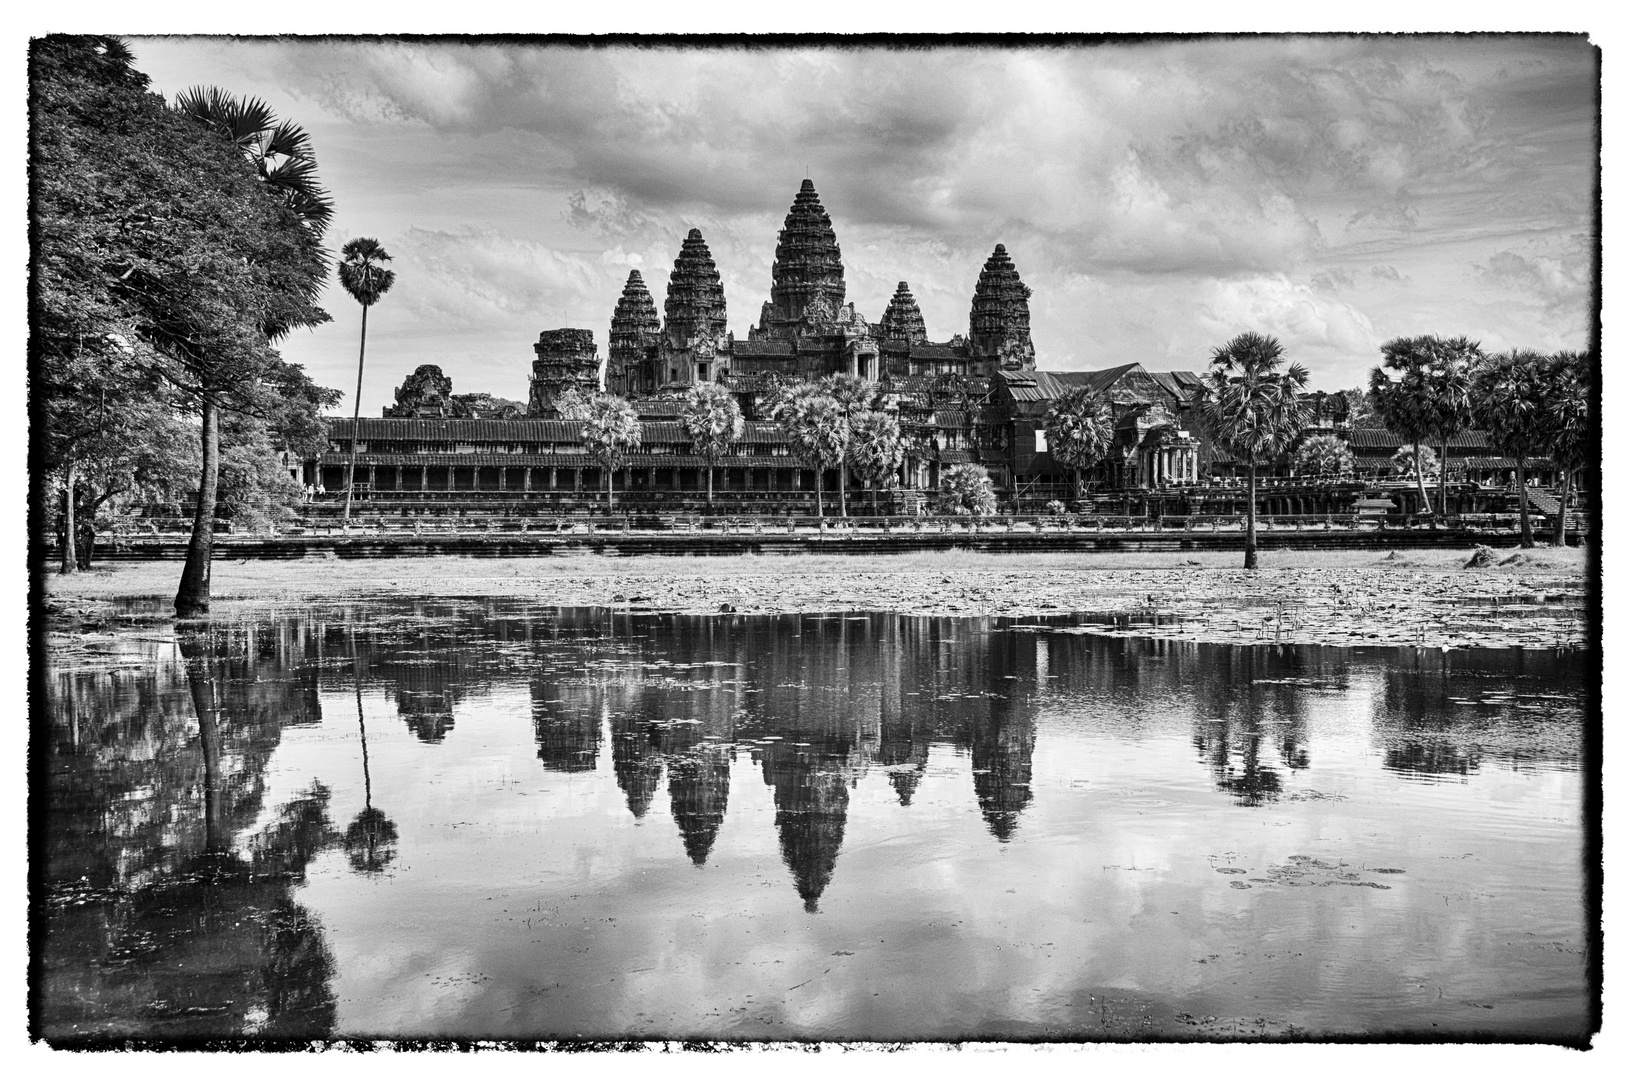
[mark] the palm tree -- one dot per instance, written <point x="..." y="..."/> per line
<point x="1251" y="410"/>
<point x="1080" y="428"/>
<point x="816" y="430"/>
<point x="1572" y="426"/>
<point x="1510" y="403"/>
<point x="966" y="489"/>
<point x="611" y="433"/>
<point x="854" y="396"/>
<point x="1408" y="405"/>
<point x="1449" y="386"/>
<point x="714" y="421"/>
<point x="1324" y="457"/>
<point x="876" y="447"/>
<point x="281" y="151"/>
<point x="366" y="278"/>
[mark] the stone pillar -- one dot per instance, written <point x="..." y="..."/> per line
<point x="526" y="478"/>
<point x="577" y="479"/>
<point x="554" y="484"/>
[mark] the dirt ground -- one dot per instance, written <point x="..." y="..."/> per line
<point x="1412" y="597"/>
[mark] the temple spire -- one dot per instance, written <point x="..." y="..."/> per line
<point x="809" y="269"/>
<point x="694" y="309"/>
<point x="999" y="322"/>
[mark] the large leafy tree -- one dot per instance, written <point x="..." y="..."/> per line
<point x="876" y="447"/>
<point x="1402" y="393"/>
<point x="1572" y="425"/>
<point x="1449" y="391"/>
<point x="855" y="398"/>
<point x="152" y="227"/>
<point x="1080" y="428"/>
<point x="1510" y="396"/>
<point x="611" y="432"/>
<point x="816" y="427"/>
<point x="1252" y="411"/>
<point x="280" y="150"/>
<point x="713" y="420"/>
<point x="364" y="275"/>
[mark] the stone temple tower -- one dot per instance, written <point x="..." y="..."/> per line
<point x="902" y="320"/>
<point x="565" y="359"/>
<point x="999" y="323"/>
<point x="808" y="274"/>
<point x="693" y="316"/>
<point x="632" y="353"/>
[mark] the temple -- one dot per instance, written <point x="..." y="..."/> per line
<point x="974" y="397"/>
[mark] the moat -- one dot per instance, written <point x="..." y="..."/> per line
<point x="495" y="818"/>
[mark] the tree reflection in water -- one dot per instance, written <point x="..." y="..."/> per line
<point x="370" y="839"/>
<point x="180" y="932"/>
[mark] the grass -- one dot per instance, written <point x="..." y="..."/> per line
<point x="316" y="577"/>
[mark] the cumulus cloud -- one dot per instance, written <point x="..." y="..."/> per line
<point x="1152" y="194"/>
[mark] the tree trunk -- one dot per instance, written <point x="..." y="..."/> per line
<point x="1526" y="535"/>
<point x="193" y="598"/>
<point x="1251" y="517"/>
<point x="356" y="412"/>
<point x="609" y="471"/>
<point x="819" y="512"/>
<point x="1076" y="481"/>
<point x="710" y="485"/>
<point x="1443" y="476"/>
<point x="843" y="507"/>
<point x="1560" y="531"/>
<point x="1421" y="484"/>
<point x="70" y="557"/>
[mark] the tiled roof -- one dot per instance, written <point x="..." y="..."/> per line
<point x="932" y="351"/>
<point x="1382" y="438"/>
<point x="476" y="432"/>
<point x="761" y="347"/>
<point x="1048" y="386"/>
<point x="639" y="460"/>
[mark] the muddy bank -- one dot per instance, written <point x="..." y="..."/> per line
<point x="1531" y="599"/>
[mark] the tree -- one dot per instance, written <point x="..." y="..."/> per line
<point x="1080" y="428"/>
<point x="1251" y="410"/>
<point x="611" y="432"/>
<point x="364" y="275"/>
<point x="1509" y="403"/>
<point x="714" y="421"/>
<point x="1325" y="458"/>
<point x="151" y="226"/>
<point x="816" y="430"/>
<point x="1415" y="462"/>
<point x="281" y="151"/>
<point x="1449" y="390"/>
<point x="966" y="489"/>
<point x="854" y="396"/>
<point x="1407" y="404"/>
<point x="1572" y="426"/>
<point x="876" y="447"/>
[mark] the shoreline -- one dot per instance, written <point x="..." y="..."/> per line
<point x="1427" y="597"/>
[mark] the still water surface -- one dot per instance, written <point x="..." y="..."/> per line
<point x="491" y="818"/>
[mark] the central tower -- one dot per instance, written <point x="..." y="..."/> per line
<point x="808" y="274"/>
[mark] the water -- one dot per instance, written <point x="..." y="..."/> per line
<point x="494" y="819"/>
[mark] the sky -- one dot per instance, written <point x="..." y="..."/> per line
<point x="1158" y="197"/>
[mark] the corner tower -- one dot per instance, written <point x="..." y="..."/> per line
<point x="902" y="320"/>
<point x="630" y="356"/>
<point x="999" y="323"/>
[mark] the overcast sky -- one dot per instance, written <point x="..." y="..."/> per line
<point x="1157" y="197"/>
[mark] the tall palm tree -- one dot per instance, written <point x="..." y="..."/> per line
<point x="1080" y="428"/>
<point x="365" y="276"/>
<point x="1510" y="404"/>
<point x="611" y="433"/>
<point x="876" y="447"/>
<point x="816" y="428"/>
<point x="281" y="150"/>
<point x="1407" y="404"/>
<point x="854" y="396"/>
<point x="1449" y="386"/>
<point x="1573" y="428"/>
<point x="1252" y="411"/>
<point x="713" y="419"/>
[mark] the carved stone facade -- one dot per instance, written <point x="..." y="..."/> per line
<point x="633" y="351"/>
<point x="902" y="321"/>
<point x="999" y="323"/>
<point x="425" y="393"/>
<point x="565" y="359"/>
